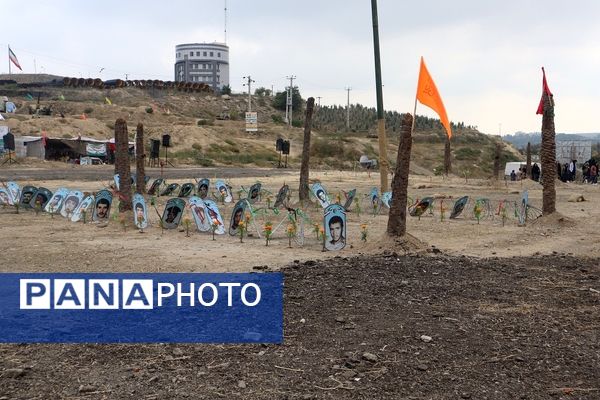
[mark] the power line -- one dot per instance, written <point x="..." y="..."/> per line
<point x="289" y="101"/>
<point x="249" y="84"/>
<point x="348" y="89"/>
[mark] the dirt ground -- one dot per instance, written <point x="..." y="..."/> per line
<point x="487" y="312"/>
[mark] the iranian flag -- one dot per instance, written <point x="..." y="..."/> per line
<point x="13" y="58"/>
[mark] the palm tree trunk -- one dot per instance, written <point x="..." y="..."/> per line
<point x="140" y="156"/>
<point x="529" y="160"/>
<point x="122" y="166"/>
<point x="447" y="157"/>
<point x="397" y="217"/>
<point x="304" y="168"/>
<point x="548" y="157"/>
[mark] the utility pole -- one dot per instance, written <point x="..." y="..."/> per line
<point x="249" y="84"/>
<point x="383" y="160"/>
<point x="348" y="89"/>
<point x="289" y="101"/>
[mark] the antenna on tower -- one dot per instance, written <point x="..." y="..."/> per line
<point x="225" y="22"/>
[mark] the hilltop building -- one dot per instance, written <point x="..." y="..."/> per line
<point x="202" y="62"/>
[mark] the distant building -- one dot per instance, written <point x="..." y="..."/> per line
<point x="202" y="62"/>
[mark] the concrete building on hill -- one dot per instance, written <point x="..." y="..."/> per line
<point x="202" y="62"/>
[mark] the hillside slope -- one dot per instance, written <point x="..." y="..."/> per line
<point x="198" y="137"/>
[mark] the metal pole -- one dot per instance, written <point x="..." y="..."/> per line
<point x="348" y="89"/>
<point x="383" y="161"/>
<point x="9" y="70"/>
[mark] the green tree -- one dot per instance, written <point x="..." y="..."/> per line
<point x="226" y="89"/>
<point x="280" y="100"/>
<point x="263" y="92"/>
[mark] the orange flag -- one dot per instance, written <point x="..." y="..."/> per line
<point x="428" y="95"/>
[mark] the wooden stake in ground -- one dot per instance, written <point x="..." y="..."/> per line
<point x="122" y="166"/>
<point x="140" y="156"/>
<point x="304" y="168"/>
<point x="447" y="157"/>
<point x="397" y="216"/>
<point x="529" y="160"/>
<point x="548" y="156"/>
<point x="497" y="153"/>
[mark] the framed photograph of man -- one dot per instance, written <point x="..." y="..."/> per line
<point x="186" y="190"/>
<point x="84" y="206"/>
<point x="6" y="197"/>
<point x="15" y="191"/>
<point x="421" y="207"/>
<point x="155" y="187"/>
<point x="321" y="194"/>
<point x="41" y="197"/>
<point x="198" y="210"/>
<point x="254" y="193"/>
<point x="386" y="199"/>
<point x="281" y="196"/>
<point x="53" y="206"/>
<point x="203" y="186"/>
<point x="237" y="215"/>
<point x="170" y="189"/>
<point x="213" y="215"/>
<point x="224" y="191"/>
<point x="459" y="206"/>
<point x="102" y="205"/>
<point x="140" y="212"/>
<point x="71" y="202"/>
<point x="335" y="227"/>
<point x="26" y="196"/>
<point x="173" y="213"/>
<point x="349" y="199"/>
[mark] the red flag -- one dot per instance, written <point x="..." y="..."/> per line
<point x="545" y="90"/>
<point x="428" y="95"/>
<point x="13" y="58"/>
<point x="44" y="138"/>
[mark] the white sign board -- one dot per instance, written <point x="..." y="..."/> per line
<point x="252" y="121"/>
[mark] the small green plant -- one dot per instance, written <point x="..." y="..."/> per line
<point x="357" y="206"/>
<point x="83" y="215"/>
<point x="213" y="226"/>
<point x="38" y="207"/>
<point x="477" y="210"/>
<point x="443" y="210"/>
<point x="268" y="231"/>
<point x="242" y="229"/>
<point x="291" y="232"/>
<point x="187" y="222"/>
<point x="88" y="110"/>
<point x="364" y="232"/>
<point x="149" y="110"/>
<point x="278" y="119"/>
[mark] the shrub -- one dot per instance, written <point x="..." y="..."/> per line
<point x="297" y="123"/>
<point x="467" y="153"/>
<point x="202" y="122"/>
<point x="278" y="119"/>
<point x="88" y="110"/>
<point x="149" y="110"/>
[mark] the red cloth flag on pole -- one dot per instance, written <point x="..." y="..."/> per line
<point x="13" y="58"/>
<point x="427" y="94"/>
<point x="545" y="90"/>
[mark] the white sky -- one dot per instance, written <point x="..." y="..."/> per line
<point x="485" y="56"/>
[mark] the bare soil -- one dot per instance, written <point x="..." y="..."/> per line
<point x="481" y="311"/>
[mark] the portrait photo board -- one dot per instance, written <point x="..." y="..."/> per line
<point x="334" y="220"/>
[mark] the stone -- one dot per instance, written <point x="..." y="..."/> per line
<point x="13" y="373"/>
<point x="241" y="384"/>
<point x="426" y="338"/>
<point x="370" y="357"/>
<point x="422" y="367"/>
<point x="87" y="389"/>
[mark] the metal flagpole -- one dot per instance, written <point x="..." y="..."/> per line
<point x="9" y="71"/>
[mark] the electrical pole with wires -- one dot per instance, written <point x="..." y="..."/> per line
<point x="249" y="84"/>
<point x="348" y="89"/>
<point x="289" y="101"/>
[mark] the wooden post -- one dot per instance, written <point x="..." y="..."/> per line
<point x="304" y="168"/>
<point x="140" y="155"/>
<point x="529" y="160"/>
<point x="122" y="166"/>
<point x="447" y="157"/>
<point x="548" y="157"/>
<point x="397" y="216"/>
